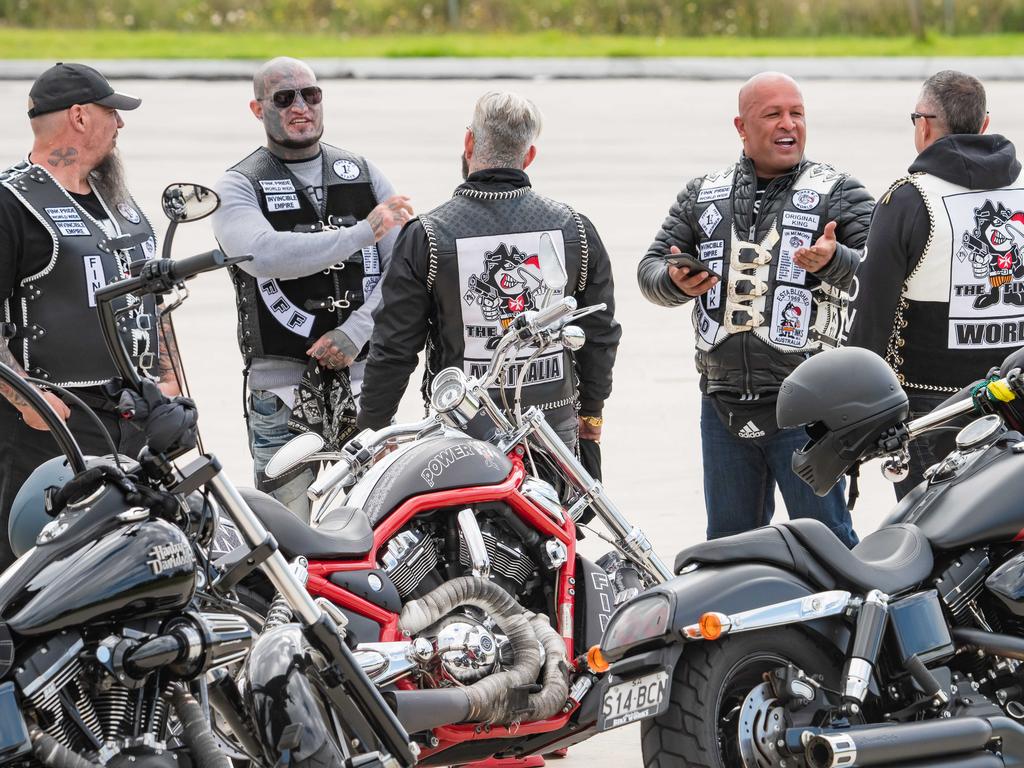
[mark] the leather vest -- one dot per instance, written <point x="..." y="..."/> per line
<point x="962" y="309"/>
<point x="763" y="291"/>
<point x="282" y="318"/>
<point x="58" y="336"/>
<point x="483" y="271"/>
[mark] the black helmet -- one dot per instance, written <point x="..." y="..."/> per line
<point x="28" y="511"/>
<point x="846" y="398"/>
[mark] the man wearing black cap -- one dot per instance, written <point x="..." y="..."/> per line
<point x="61" y="210"/>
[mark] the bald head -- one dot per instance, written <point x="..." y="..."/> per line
<point x="273" y="72"/>
<point x="50" y="125"/>
<point x="771" y="123"/>
<point x="756" y="86"/>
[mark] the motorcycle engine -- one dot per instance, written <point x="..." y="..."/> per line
<point x="467" y="649"/>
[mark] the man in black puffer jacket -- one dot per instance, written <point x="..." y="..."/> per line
<point x="941" y="290"/>
<point x="784" y="233"/>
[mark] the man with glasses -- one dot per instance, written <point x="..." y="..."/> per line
<point x="68" y="225"/>
<point x="940" y="293"/>
<point x="320" y="223"/>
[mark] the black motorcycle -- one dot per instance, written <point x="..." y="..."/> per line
<point x="780" y="647"/>
<point x="118" y="625"/>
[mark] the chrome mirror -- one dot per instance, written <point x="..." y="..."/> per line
<point x="189" y="202"/>
<point x="552" y="270"/>
<point x="293" y="453"/>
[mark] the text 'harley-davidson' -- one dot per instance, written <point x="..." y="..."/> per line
<point x="454" y="561"/>
<point x="786" y="649"/>
<point x="121" y="633"/>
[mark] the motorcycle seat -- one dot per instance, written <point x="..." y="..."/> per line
<point x="344" y="534"/>
<point x="891" y="559"/>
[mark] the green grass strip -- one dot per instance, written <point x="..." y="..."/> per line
<point x="100" y="44"/>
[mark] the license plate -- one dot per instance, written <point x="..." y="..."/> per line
<point x="633" y="700"/>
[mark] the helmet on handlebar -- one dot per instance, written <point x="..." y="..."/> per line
<point x="28" y="512"/>
<point x="846" y="399"/>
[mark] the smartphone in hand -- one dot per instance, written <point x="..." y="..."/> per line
<point x="694" y="265"/>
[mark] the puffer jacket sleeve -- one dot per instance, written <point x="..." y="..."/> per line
<point x="850" y="206"/>
<point x="677" y="229"/>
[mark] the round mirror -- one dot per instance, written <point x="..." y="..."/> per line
<point x="551" y="267"/>
<point x="292" y="453"/>
<point x="189" y="202"/>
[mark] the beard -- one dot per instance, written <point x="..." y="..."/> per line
<point x="282" y="140"/>
<point x="108" y="179"/>
<point x="465" y="167"/>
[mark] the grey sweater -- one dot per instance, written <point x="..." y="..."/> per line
<point x="241" y="228"/>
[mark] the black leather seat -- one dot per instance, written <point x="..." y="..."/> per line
<point x="891" y="559"/>
<point x="344" y="534"/>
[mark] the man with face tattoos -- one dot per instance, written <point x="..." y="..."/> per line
<point x="784" y="233"/>
<point x="68" y="226"/>
<point x="320" y="223"/>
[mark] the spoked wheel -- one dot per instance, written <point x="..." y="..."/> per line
<point x="721" y="713"/>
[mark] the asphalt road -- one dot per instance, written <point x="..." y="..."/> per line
<point x="618" y="151"/>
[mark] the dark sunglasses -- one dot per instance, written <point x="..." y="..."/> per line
<point x="915" y="115"/>
<point x="311" y="94"/>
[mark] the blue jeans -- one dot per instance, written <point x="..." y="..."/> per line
<point x="268" y="431"/>
<point x="740" y="478"/>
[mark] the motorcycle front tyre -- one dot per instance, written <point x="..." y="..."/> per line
<point x="710" y="683"/>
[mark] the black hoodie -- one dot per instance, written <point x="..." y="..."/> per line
<point x="899" y="233"/>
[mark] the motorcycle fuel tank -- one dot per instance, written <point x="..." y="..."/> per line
<point x="977" y="503"/>
<point x="433" y="465"/>
<point x="138" y="569"/>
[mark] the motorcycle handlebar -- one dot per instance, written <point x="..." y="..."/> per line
<point x="552" y="314"/>
<point x="332" y="477"/>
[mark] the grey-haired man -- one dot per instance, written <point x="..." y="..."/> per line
<point x="462" y="272"/>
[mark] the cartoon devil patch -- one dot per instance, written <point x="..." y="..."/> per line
<point x="995" y="251"/>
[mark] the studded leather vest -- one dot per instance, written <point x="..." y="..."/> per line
<point x="281" y="318"/>
<point x="763" y="291"/>
<point x="58" y="336"/>
<point x="484" y="270"/>
<point x="962" y="308"/>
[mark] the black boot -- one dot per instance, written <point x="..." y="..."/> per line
<point x="1012" y="297"/>
<point x="988" y="300"/>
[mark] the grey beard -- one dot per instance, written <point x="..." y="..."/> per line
<point x="108" y="179"/>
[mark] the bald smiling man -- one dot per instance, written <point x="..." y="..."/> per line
<point x="780" y="237"/>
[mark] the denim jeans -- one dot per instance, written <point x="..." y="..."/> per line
<point x="740" y="478"/>
<point x="268" y="431"/>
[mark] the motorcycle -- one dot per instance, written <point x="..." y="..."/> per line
<point x="449" y="547"/>
<point x="779" y="647"/>
<point x="121" y="633"/>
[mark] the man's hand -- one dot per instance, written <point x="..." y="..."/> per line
<point x="34" y="420"/>
<point x="820" y="254"/>
<point x="589" y="431"/>
<point x="692" y="285"/>
<point x="327" y="349"/>
<point x="393" y="212"/>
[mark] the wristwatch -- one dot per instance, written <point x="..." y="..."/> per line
<point x="592" y="421"/>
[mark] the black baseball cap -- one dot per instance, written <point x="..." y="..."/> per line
<point x="64" y="85"/>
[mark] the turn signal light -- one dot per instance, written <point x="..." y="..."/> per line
<point x="711" y="626"/>
<point x="596" y="660"/>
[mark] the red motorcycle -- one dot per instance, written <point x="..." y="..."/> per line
<point x="453" y="566"/>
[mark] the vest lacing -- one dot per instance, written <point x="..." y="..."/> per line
<point x="481" y="195"/>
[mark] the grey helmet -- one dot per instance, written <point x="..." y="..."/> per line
<point x="28" y="512"/>
<point x="846" y="398"/>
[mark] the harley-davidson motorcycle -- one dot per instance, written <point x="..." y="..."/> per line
<point x="779" y="647"/>
<point x="120" y="632"/>
<point x="453" y="557"/>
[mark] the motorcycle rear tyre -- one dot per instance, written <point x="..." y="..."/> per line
<point x="707" y="678"/>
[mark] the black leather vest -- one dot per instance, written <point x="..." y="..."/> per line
<point x="281" y="318"/>
<point x="483" y="271"/>
<point x="58" y="336"/>
<point x="763" y="291"/>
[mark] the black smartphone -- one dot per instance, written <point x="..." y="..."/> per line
<point x="695" y="265"/>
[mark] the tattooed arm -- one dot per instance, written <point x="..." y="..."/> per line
<point x="28" y="413"/>
<point x="170" y="360"/>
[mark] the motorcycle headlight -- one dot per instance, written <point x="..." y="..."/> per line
<point x="645" y="618"/>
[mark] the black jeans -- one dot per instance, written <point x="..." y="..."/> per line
<point x="22" y="449"/>
<point x="928" y="449"/>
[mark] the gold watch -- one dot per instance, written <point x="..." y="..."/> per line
<point x="592" y="421"/>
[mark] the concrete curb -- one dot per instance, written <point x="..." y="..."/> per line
<point x="910" y="68"/>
